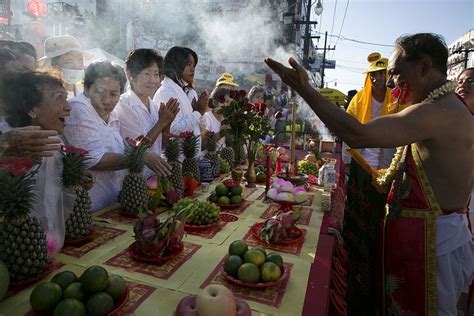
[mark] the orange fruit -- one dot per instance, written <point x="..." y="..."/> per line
<point x="249" y="273"/>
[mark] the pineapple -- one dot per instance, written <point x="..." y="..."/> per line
<point x="23" y="245"/>
<point x="227" y="153"/>
<point x="133" y="196"/>
<point x="172" y="155"/>
<point x="189" y="146"/>
<point x="79" y="222"/>
<point x="212" y="154"/>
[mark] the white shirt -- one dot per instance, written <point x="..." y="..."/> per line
<point x="373" y="155"/>
<point x="210" y="123"/>
<point x="187" y="120"/>
<point x="86" y="129"/>
<point x="136" y="120"/>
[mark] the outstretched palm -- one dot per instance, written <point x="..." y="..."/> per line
<point x="296" y="77"/>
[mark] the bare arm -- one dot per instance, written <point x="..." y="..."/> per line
<point x="411" y="125"/>
<point x="110" y="161"/>
<point x="167" y="114"/>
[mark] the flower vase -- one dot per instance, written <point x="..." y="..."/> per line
<point x="251" y="175"/>
<point x="205" y="168"/>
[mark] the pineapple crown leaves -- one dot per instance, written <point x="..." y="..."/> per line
<point x="135" y="152"/>
<point x="172" y="149"/>
<point x="16" y="187"/>
<point x="74" y="168"/>
<point x="211" y="141"/>
<point x="189" y="144"/>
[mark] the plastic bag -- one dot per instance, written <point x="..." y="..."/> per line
<point x="53" y="202"/>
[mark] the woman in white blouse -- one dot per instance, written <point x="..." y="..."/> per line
<point x="137" y="112"/>
<point x="95" y="127"/>
<point x="179" y="66"/>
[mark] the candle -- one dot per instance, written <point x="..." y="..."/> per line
<point x="293" y="137"/>
<point x="268" y="175"/>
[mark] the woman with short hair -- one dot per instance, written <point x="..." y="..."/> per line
<point x="94" y="126"/>
<point x="137" y="112"/>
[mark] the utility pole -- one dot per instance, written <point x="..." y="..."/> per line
<point x="324" y="57"/>
<point x="306" y="35"/>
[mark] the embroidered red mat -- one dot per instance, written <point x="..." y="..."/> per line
<point x="102" y="235"/>
<point x="270" y="296"/>
<point x="165" y="271"/>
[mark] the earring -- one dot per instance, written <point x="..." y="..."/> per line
<point x="34" y="116"/>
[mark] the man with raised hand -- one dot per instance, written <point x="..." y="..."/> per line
<point x="428" y="248"/>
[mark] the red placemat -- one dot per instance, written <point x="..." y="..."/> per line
<point x="270" y="296"/>
<point x="272" y="210"/>
<point x="248" y="192"/>
<point x="53" y="265"/>
<point x="211" y="232"/>
<point x="116" y="216"/>
<point x="102" y="235"/>
<point x="137" y="294"/>
<point x="294" y="249"/>
<point x="165" y="271"/>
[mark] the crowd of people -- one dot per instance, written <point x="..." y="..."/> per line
<point x="427" y="244"/>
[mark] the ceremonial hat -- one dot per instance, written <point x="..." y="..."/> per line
<point x="376" y="62"/>
<point x="226" y="78"/>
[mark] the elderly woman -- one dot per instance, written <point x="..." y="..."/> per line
<point x="137" y="112"/>
<point x="65" y="55"/>
<point x="37" y="99"/>
<point x="95" y="127"/>
<point x="179" y="66"/>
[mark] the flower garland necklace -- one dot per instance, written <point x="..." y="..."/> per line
<point x="385" y="177"/>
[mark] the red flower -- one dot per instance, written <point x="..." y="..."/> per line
<point x="16" y="166"/>
<point x="233" y="94"/>
<point x="210" y="134"/>
<point x="259" y="108"/>
<point x="249" y="107"/>
<point x="241" y="94"/>
<point x="186" y="134"/>
<point x="73" y="150"/>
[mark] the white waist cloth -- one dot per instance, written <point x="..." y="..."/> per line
<point x="454" y="260"/>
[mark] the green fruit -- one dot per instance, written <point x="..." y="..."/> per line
<point x="270" y="272"/>
<point x="70" y="307"/>
<point x="214" y="198"/>
<point x="261" y="250"/>
<point x="75" y="290"/>
<point x="236" y="199"/>
<point x="238" y="248"/>
<point x="261" y="176"/>
<point x="4" y="280"/>
<point x="94" y="279"/>
<point x="221" y="189"/>
<point x="259" y="168"/>
<point x="117" y="287"/>
<point x="232" y="265"/>
<point x="249" y="273"/>
<point x="254" y="256"/>
<point x="223" y="200"/>
<point x="237" y="190"/>
<point x="64" y="278"/>
<point x="99" y="304"/>
<point x="45" y="296"/>
<point x="275" y="258"/>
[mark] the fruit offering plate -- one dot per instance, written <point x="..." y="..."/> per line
<point x="80" y="241"/>
<point x="139" y="256"/>
<point x="286" y="206"/>
<point x="297" y="235"/>
<point x="117" y="306"/>
<point x="228" y="206"/>
<point x="260" y="285"/>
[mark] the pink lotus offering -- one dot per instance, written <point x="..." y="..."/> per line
<point x="284" y="191"/>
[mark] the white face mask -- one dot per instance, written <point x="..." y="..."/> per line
<point x="72" y="76"/>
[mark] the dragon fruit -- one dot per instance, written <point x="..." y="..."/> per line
<point x="272" y="193"/>
<point x="300" y="194"/>
<point x="154" y="237"/>
<point x="279" y="227"/>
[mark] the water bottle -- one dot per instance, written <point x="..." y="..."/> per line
<point x="321" y="174"/>
<point x="329" y="177"/>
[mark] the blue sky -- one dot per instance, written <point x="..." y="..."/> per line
<point x="381" y="22"/>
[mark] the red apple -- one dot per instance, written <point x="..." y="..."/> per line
<point x="215" y="299"/>
<point x="243" y="309"/>
<point x="187" y="306"/>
